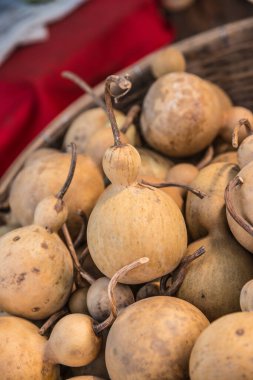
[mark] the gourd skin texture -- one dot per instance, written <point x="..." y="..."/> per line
<point x="116" y="235"/>
<point x="224" y="350"/>
<point x="36" y="272"/>
<point x="152" y="339"/>
<point x="46" y="177"/>
<point x="203" y="214"/>
<point x="213" y="282"/>
<point x="22" y="352"/>
<point x="181" y="115"/>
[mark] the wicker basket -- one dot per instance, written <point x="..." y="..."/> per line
<point x="223" y="55"/>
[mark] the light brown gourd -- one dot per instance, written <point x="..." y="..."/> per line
<point x="152" y="339"/>
<point x="224" y="349"/>
<point x="128" y="215"/>
<point x="22" y="352"/>
<point x="43" y="178"/>
<point x="36" y="272"/>
<point x="181" y="115"/>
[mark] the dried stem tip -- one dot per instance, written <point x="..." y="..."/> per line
<point x="248" y="127"/>
<point x="123" y="84"/>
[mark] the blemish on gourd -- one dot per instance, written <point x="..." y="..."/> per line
<point x="239" y="332"/>
<point x="21" y="277"/>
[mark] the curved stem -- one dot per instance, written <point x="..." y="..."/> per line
<point x="71" y="172"/>
<point x="112" y="284"/>
<point x="160" y="185"/>
<point x="52" y="320"/>
<point x="82" y="231"/>
<point x="85" y="87"/>
<point x="179" y="273"/>
<point x="230" y="207"/>
<point x="235" y="134"/>
<point x="207" y="158"/>
<point x="86" y="276"/>
<point x="131" y="115"/>
<point x="124" y="84"/>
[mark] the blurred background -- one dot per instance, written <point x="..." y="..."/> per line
<point x="93" y="38"/>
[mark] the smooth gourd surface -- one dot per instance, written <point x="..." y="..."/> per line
<point x="128" y="223"/>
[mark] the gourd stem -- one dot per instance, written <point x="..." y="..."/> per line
<point x="178" y="274"/>
<point x="235" y="133"/>
<point x="86" y="276"/>
<point x="131" y="115"/>
<point x="82" y="231"/>
<point x="230" y="207"/>
<point x="207" y="158"/>
<point x="112" y="284"/>
<point x="85" y="87"/>
<point x="71" y="172"/>
<point x="160" y="185"/>
<point x="54" y="317"/>
<point x="124" y="84"/>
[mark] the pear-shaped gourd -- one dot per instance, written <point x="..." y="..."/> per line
<point x="130" y="219"/>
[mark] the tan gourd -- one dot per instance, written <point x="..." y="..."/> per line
<point x="181" y="114"/>
<point x="22" y="352"/>
<point x="152" y="339"/>
<point x="224" y="349"/>
<point x="128" y="216"/>
<point x="36" y="272"/>
<point x="45" y="177"/>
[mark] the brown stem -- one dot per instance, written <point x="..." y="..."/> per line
<point x="75" y="259"/>
<point x="82" y="231"/>
<point x="124" y="84"/>
<point x="112" y="284"/>
<point x="179" y="273"/>
<point x="230" y="207"/>
<point x="131" y="115"/>
<point x="84" y="254"/>
<point x="85" y="87"/>
<point x="71" y="172"/>
<point x="235" y="134"/>
<point x="207" y="158"/>
<point x="160" y="185"/>
<point x="52" y="320"/>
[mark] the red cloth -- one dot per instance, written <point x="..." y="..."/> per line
<point x="100" y="38"/>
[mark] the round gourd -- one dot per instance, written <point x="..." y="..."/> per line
<point x="36" y="272"/>
<point x="181" y="115"/>
<point x="152" y="339"/>
<point x="124" y="224"/>
<point x="224" y="349"/>
<point x="73" y="341"/>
